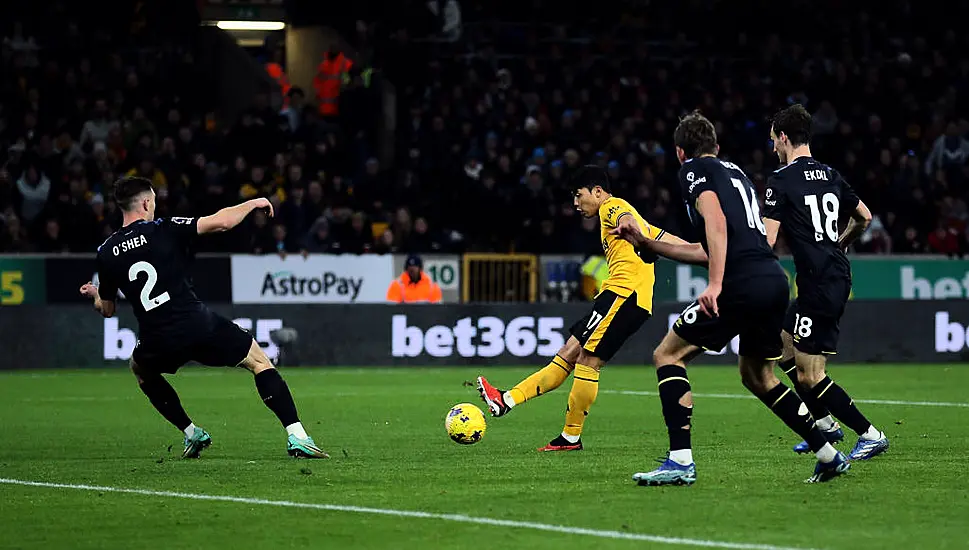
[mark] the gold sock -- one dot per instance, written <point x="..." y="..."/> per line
<point x="585" y="387"/>
<point x="542" y="381"/>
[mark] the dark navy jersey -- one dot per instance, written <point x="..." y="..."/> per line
<point x="747" y="250"/>
<point x="807" y="197"/>
<point x="148" y="262"/>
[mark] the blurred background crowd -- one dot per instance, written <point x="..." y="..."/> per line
<point x="492" y="114"/>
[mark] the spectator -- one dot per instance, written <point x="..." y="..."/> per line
<point x="52" y="241"/>
<point x="357" y="238"/>
<point x="950" y="150"/>
<point x="486" y="139"/>
<point x="14" y="236"/>
<point x="146" y="169"/>
<point x="414" y="285"/>
<point x="260" y="240"/>
<point x="387" y="244"/>
<point x="422" y="240"/>
<point x="294" y="212"/>
<point x="318" y="241"/>
<point x="910" y="243"/>
<point x="875" y="240"/>
<point x="944" y="240"/>
<point x="293" y="111"/>
<point x="282" y="244"/>
<point x="34" y="188"/>
<point x="100" y="125"/>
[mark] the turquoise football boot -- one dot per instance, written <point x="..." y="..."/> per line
<point x="194" y="445"/>
<point x="304" y="448"/>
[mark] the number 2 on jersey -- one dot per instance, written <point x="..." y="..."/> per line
<point x="147" y="301"/>
<point x="829" y="203"/>
<point x="751" y="207"/>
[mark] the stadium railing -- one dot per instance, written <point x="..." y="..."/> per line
<point x="490" y="278"/>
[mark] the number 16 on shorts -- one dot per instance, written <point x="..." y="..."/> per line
<point x="690" y="316"/>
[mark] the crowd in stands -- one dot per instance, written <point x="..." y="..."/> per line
<point x="490" y="122"/>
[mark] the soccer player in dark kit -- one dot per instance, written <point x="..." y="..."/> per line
<point x="747" y="296"/>
<point x="147" y="259"/>
<point x="806" y="197"/>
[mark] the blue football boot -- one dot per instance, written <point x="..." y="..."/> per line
<point x="869" y="448"/>
<point x="834" y="435"/>
<point x="669" y="473"/>
<point x="826" y="471"/>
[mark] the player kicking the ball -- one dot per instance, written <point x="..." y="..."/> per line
<point x="747" y="296"/>
<point x="622" y="306"/>
<point x="147" y="259"/>
<point x="806" y="197"/>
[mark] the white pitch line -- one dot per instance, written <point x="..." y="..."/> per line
<point x="742" y="396"/>
<point x="459" y="518"/>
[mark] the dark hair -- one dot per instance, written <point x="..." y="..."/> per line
<point x="127" y="190"/>
<point x="795" y="123"/>
<point x="696" y="135"/>
<point x="589" y="177"/>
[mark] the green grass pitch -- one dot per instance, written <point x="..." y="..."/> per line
<point x="390" y="454"/>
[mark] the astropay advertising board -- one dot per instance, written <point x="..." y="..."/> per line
<point x="315" y="279"/>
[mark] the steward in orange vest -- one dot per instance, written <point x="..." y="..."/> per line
<point x="329" y="76"/>
<point x="277" y="73"/>
<point x="414" y="286"/>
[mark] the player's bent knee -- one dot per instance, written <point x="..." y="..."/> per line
<point x="589" y="360"/>
<point x="257" y="360"/>
<point x="673" y="350"/>
<point x="571" y="350"/>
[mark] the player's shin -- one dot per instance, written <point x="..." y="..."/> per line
<point x="163" y="397"/>
<point x="677" y="399"/>
<point x="585" y="388"/>
<point x="785" y="403"/>
<point x="843" y="407"/>
<point x="542" y="381"/>
<point x="821" y="414"/>
<point x="276" y="395"/>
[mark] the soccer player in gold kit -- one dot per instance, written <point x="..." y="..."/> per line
<point x="622" y="306"/>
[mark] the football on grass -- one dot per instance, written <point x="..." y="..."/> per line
<point x="465" y="424"/>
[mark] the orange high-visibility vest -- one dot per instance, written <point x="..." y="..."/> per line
<point x="403" y="291"/>
<point x="329" y="75"/>
<point x="277" y="73"/>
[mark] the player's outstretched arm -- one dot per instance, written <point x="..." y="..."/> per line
<point x="104" y="307"/>
<point x="667" y="244"/>
<point x="670" y="246"/>
<point x="227" y="218"/>
<point x="857" y="224"/>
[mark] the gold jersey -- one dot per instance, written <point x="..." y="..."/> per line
<point x="627" y="272"/>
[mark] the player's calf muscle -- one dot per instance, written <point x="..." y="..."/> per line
<point x="757" y="375"/>
<point x="810" y="368"/>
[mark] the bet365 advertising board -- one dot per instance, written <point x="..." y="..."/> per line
<point x="332" y="335"/>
